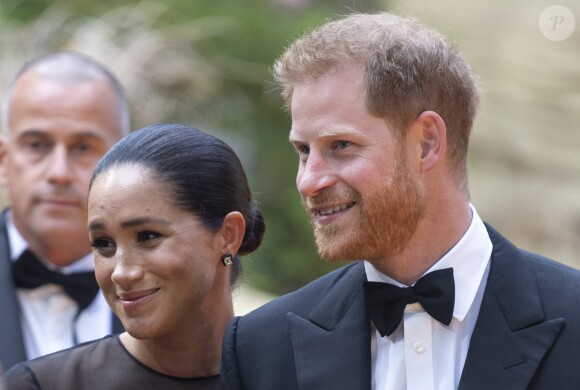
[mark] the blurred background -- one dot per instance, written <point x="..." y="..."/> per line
<point x="208" y="64"/>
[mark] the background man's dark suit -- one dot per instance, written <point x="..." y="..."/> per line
<point x="527" y="334"/>
<point x="12" y="349"/>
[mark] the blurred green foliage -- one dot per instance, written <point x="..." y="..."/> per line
<point x="248" y="36"/>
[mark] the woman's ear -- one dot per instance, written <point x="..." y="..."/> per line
<point x="232" y="232"/>
<point x="432" y="136"/>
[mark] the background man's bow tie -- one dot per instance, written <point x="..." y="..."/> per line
<point x="29" y="272"/>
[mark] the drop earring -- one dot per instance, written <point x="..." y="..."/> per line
<point x="227" y="259"/>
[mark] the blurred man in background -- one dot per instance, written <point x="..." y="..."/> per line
<point x="60" y="114"/>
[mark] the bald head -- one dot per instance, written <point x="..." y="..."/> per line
<point x="68" y="68"/>
<point x="61" y="113"/>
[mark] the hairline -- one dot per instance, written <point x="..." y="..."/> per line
<point x="94" y="72"/>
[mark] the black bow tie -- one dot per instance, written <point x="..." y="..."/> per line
<point x="386" y="303"/>
<point x="29" y="272"/>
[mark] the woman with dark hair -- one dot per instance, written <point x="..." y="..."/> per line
<point x="169" y="212"/>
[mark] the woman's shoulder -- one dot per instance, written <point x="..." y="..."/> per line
<point x="52" y="369"/>
<point x="99" y="364"/>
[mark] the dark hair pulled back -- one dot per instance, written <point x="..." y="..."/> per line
<point x="203" y="175"/>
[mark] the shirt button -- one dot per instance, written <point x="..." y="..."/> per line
<point x="419" y="347"/>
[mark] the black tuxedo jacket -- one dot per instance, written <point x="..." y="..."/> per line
<point x="527" y="334"/>
<point x="12" y="349"/>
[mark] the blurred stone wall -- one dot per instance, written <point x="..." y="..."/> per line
<point x="525" y="153"/>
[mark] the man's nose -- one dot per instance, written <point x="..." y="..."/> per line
<point x="60" y="168"/>
<point x="314" y="175"/>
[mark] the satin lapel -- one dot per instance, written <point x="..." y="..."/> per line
<point x="511" y="335"/>
<point x="332" y="347"/>
<point x="11" y="342"/>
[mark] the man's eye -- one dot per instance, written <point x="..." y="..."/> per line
<point x="343" y="144"/>
<point x="303" y="149"/>
<point x="82" y="147"/>
<point x="303" y="152"/>
<point x="36" y="145"/>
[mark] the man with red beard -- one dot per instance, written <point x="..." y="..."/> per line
<point x="60" y="114"/>
<point x="382" y="109"/>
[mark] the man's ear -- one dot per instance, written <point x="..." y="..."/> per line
<point x="232" y="231"/>
<point x="3" y="158"/>
<point x="432" y="137"/>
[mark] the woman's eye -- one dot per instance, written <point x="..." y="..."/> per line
<point x="103" y="246"/>
<point x="147" y="236"/>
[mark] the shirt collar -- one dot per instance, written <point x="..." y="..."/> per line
<point x="469" y="259"/>
<point x="18" y="245"/>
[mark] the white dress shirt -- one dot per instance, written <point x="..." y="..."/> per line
<point x="422" y="353"/>
<point x="47" y="314"/>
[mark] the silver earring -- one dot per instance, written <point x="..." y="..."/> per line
<point x="227" y="259"/>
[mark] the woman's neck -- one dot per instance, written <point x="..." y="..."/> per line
<point x="191" y="354"/>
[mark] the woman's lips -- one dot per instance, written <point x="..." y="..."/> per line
<point x="135" y="300"/>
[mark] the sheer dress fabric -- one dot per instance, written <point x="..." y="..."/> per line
<point x="98" y="364"/>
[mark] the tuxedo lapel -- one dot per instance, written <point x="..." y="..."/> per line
<point x="11" y="342"/>
<point x="511" y="334"/>
<point x="332" y="347"/>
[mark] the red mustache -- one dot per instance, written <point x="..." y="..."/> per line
<point x="330" y="197"/>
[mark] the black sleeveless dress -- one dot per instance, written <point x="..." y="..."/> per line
<point x="99" y="364"/>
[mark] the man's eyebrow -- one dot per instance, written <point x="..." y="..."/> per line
<point x="32" y="132"/>
<point x="326" y="133"/>
<point x="40" y="133"/>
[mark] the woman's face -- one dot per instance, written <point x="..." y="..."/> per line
<point x="154" y="261"/>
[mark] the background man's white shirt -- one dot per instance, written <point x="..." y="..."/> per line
<point x="47" y="313"/>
